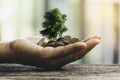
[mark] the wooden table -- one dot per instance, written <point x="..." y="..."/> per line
<point x="69" y="72"/>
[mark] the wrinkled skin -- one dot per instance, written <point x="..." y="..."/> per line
<point x="27" y="52"/>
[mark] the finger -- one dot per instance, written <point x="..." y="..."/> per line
<point x="80" y="53"/>
<point x="93" y="37"/>
<point x="69" y="48"/>
<point x="90" y="45"/>
<point x="74" y="47"/>
<point x="63" y="51"/>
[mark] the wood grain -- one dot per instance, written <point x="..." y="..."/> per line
<point x="68" y="72"/>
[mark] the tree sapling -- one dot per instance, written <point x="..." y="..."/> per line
<point x="54" y="24"/>
<point x="54" y="27"/>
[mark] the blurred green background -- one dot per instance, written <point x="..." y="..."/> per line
<point x="23" y="18"/>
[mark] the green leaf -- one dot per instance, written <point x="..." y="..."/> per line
<point x="54" y="24"/>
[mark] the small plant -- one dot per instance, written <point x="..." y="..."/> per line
<point x="54" y="24"/>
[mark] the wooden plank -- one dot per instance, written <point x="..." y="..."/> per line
<point x="68" y="72"/>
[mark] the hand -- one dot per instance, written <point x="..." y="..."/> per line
<point x="27" y="52"/>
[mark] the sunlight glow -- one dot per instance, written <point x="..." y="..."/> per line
<point x="6" y="18"/>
